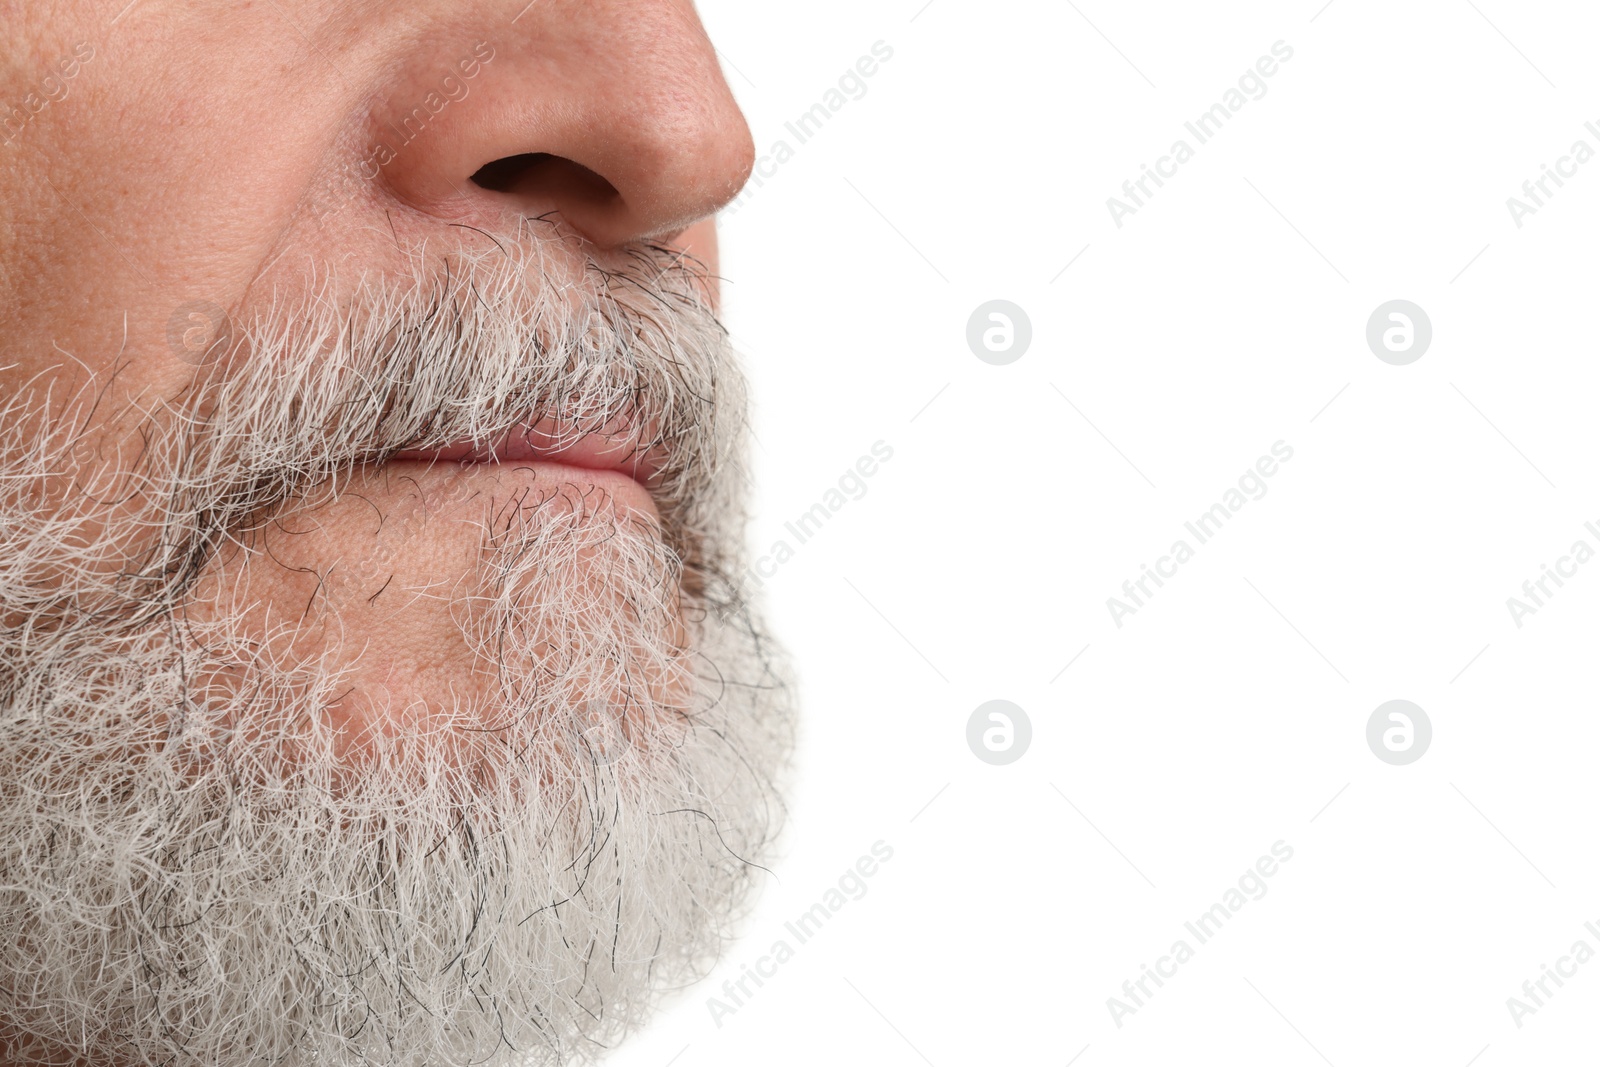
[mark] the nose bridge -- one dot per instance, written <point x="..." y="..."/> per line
<point x="625" y="95"/>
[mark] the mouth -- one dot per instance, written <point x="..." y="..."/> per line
<point x="615" y="458"/>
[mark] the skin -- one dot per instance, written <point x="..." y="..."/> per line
<point x="201" y="151"/>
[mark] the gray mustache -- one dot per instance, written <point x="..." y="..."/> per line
<point x="470" y="350"/>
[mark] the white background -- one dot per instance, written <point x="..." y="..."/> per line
<point x="1230" y="712"/>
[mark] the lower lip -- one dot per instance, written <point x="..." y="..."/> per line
<point x="548" y="474"/>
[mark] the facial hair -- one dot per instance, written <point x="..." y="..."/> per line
<point x="199" y="866"/>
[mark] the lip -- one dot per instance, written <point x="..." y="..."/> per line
<point x="614" y="451"/>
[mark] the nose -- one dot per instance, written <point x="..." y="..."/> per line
<point x="613" y="114"/>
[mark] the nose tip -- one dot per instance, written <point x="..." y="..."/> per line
<point x="614" y="115"/>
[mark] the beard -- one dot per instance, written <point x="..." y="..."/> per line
<point x="210" y="859"/>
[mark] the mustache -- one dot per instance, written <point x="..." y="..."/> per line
<point x="472" y="346"/>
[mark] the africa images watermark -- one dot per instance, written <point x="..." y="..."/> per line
<point x="406" y="126"/>
<point x="1535" y="991"/>
<point x="851" y="85"/>
<point x="51" y="89"/>
<point x="1210" y="923"/>
<point x="851" y="885"/>
<point x="851" y="485"/>
<point x="1566" y="167"/>
<point x="1203" y="528"/>
<point x="1205" y="126"/>
<point x="1566" y="567"/>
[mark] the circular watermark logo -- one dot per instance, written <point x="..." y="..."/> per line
<point x="199" y="332"/>
<point x="1399" y="732"/>
<point x="1399" y="332"/>
<point x="999" y="332"/>
<point x="999" y="732"/>
<point x="599" y="732"/>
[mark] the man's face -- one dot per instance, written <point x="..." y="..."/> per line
<point x="376" y="683"/>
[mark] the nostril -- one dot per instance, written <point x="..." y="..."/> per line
<point x="502" y="175"/>
<point x="542" y="176"/>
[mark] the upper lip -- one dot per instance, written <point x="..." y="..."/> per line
<point x="618" y="446"/>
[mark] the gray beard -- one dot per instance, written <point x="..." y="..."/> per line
<point x="199" y="868"/>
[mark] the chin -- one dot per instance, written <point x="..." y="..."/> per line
<point x="369" y="758"/>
